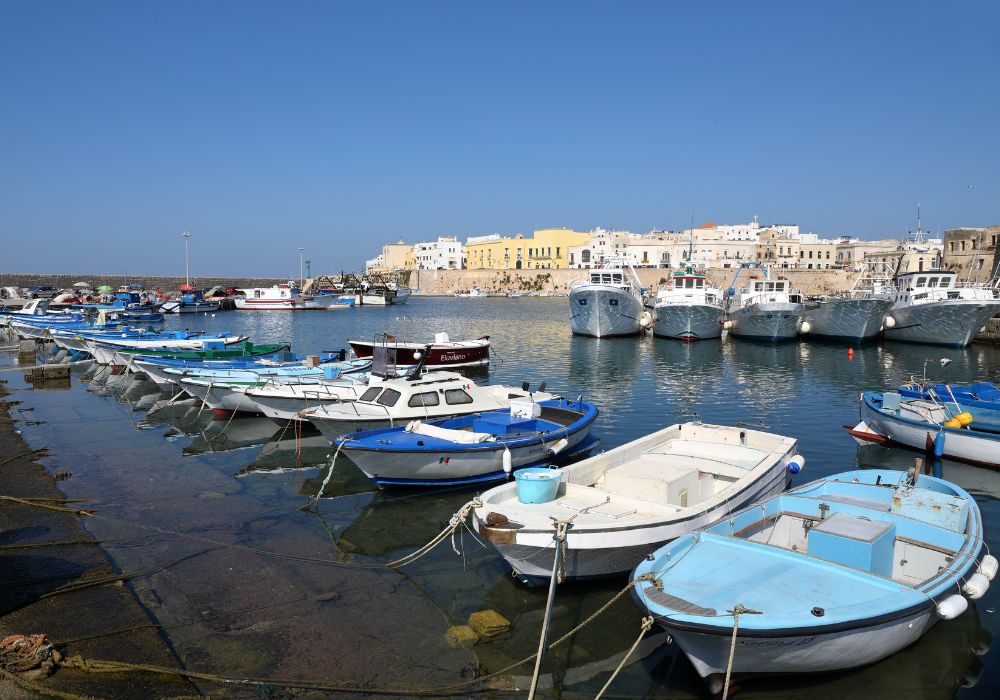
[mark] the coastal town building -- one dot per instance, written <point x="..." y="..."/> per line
<point x="909" y="256"/>
<point x="972" y="253"/>
<point x="547" y="249"/>
<point x="851" y="252"/>
<point x="446" y="253"/>
<point x="395" y="257"/>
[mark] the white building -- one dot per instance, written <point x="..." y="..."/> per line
<point x="446" y="253"/>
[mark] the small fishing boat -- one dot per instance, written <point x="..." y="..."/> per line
<point x="608" y="303"/>
<point x="210" y="347"/>
<point x="281" y="297"/>
<point x="962" y="432"/>
<point x="191" y="301"/>
<point x="623" y="504"/>
<point x="392" y="400"/>
<point x="281" y="400"/>
<point x="835" y="574"/>
<point x="443" y="352"/>
<point x="474" y="448"/>
<point x="167" y="371"/>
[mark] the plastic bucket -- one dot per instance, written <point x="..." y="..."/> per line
<point x="537" y="484"/>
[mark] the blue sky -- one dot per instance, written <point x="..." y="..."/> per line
<point x="337" y="126"/>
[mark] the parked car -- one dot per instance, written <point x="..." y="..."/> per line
<point x="44" y="292"/>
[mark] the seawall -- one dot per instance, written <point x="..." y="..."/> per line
<point x="498" y="281"/>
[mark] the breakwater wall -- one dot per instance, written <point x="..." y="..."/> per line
<point x="167" y="284"/>
<point x="496" y="281"/>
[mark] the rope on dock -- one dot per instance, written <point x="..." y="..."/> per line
<point x="41" y="452"/>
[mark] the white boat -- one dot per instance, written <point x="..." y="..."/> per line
<point x="931" y="426"/>
<point x="608" y="303"/>
<point x="854" y="317"/>
<point x="281" y="297"/>
<point x="625" y="503"/>
<point x="688" y="309"/>
<point x="474" y="293"/>
<point x="282" y="402"/>
<point x="933" y="308"/>
<point x="417" y="396"/>
<point x="765" y="309"/>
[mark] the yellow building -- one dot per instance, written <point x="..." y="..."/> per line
<point x="394" y="257"/>
<point x="547" y="249"/>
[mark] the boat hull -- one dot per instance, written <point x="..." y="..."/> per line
<point x="846" y="320"/>
<point x="604" y="553"/>
<point x="952" y="323"/>
<point x="773" y="653"/>
<point x="688" y="321"/>
<point x="444" y="355"/>
<point x="603" y="312"/>
<point x="307" y="303"/>
<point x="960" y="444"/>
<point x="221" y="397"/>
<point x="771" y="321"/>
<point x="457" y="466"/>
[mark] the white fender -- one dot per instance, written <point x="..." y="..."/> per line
<point x="805" y="327"/>
<point x="952" y="606"/>
<point x="505" y="459"/>
<point x="889" y="322"/>
<point x="976" y="586"/>
<point x="727" y="324"/>
<point x="646" y="319"/>
<point x="558" y="447"/>
<point x="988" y="567"/>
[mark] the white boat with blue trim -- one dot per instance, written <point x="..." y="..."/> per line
<point x="766" y="309"/>
<point x="835" y="574"/>
<point x="941" y="426"/>
<point x="474" y="448"/>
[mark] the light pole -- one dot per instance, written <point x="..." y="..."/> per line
<point x="302" y="280"/>
<point x="187" y="276"/>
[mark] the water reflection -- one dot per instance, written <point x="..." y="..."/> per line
<point x="245" y="481"/>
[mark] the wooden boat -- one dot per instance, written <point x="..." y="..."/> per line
<point x="443" y="352"/>
<point x="474" y="448"/>
<point x="835" y="574"/>
<point x="627" y="502"/>
<point x="963" y="432"/>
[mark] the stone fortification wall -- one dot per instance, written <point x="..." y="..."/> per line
<point x="167" y="284"/>
<point x="494" y="281"/>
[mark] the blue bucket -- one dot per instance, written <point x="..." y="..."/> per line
<point x="537" y="484"/>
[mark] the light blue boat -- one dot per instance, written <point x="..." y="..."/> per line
<point x="837" y="573"/>
<point x="167" y="371"/>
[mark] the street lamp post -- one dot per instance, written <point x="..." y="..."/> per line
<point x="302" y="281"/>
<point x="187" y="275"/>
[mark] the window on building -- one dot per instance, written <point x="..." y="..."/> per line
<point x="585" y="256"/>
<point x="558" y="253"/>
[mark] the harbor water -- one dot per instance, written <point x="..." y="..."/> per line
<point x="208" y="513"/>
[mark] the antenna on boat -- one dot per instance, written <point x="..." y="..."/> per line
<point x="417" y="371"/>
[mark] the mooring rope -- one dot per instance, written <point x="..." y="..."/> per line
<point x="647" y="622"/>
<point x="556" y="576"/>
<point x="737" y="611"/>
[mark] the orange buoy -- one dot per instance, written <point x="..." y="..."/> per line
<point x="850" y="353"/>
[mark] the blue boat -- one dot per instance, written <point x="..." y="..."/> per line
<point x="166" y="371"/>
<point x="978" y="395"/>
<point x="837" y="573"/>
<point x="474" y="448"/>
<point x="944" y="429"/>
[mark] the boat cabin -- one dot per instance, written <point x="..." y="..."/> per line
<point x="764" y="290"/>
<point x="433" y="391"/>
<point x="615" y="277"/>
